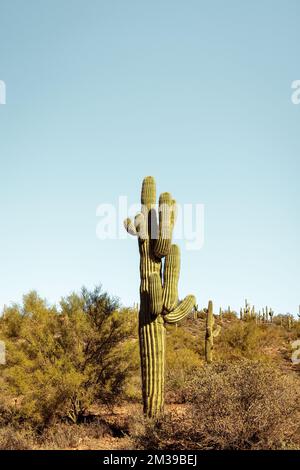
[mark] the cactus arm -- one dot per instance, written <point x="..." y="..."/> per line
<point x="155" y="294"/>
<point x="171" y="278"/>
<point x="148" y="201"/>
<point x="173" y="214"/>
<point x="129" y="227"/>
<point x="181" y="311"/>
<point x="163" y="243"/>
<point x="217" y="331"/>
<point x="148" y="193"/>
<point x="141" y="227"/>
<point x="174" y="312"/>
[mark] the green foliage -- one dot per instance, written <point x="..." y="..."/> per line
<point x="182" y="358"/>
<point x="59" y="362"/>
<point x="63" y="362"/>
<point x="229" y="316"/>
<point x="241" y="339"/>
<point x="250" y="340"/>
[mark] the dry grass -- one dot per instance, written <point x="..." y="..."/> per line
<point x="250" y="400"/>
<point x="247" y="405"/>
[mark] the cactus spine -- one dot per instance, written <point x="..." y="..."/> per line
<point x="158" y="290"/>
<point x="210" y="333"/>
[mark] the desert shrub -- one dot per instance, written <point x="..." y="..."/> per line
<point x="11" y="321"/>
<point x="247" y="340"/>
<point x="242" y="337"/>
<point x="201" y="314"/>
<point x="12" y="438"/>
<point x="59" y="362"/>
<point x="133" y="388"/>
<point x="247" y="405"/>
<point x="70" y="436"/>
<point x="182" y="358"/>
<point x="295" y="330"/>
<point x="280" y="320"/>
<point x="61" y="436"/>
<point x="229" y="316"/>
<point x="8" y="410"/>
<point x="57" y="436"/>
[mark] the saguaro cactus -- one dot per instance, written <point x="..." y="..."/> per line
<point x="158" y="290"/>
<point x="259" y="317"/>
<point x="247" y="310"/>
<point x="267" y="314"/>
<point x="210" y="333"/>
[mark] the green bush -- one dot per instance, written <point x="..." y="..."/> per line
<point x="60" y="361"/>
<point x="182" y="358"/>
<point x="265" y="342"/>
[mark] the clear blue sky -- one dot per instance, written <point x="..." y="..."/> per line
<point x="195" y="93"/>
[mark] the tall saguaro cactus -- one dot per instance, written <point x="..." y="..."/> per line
<point x="159" y="302"/>
<point x="210" y="333"/>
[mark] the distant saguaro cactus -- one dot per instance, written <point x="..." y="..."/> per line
<point x="247" y="310"/>
<point x="158" y="290"/>
<point x="267" y="314"/>
<point x="210" y="333"/>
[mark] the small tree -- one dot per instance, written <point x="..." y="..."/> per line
<point x="60" y="361"/>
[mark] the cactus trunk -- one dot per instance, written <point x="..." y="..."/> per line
<point x="210" y="333"/>
<point x="152" y="336"/>
<point x="209" y="341"/>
